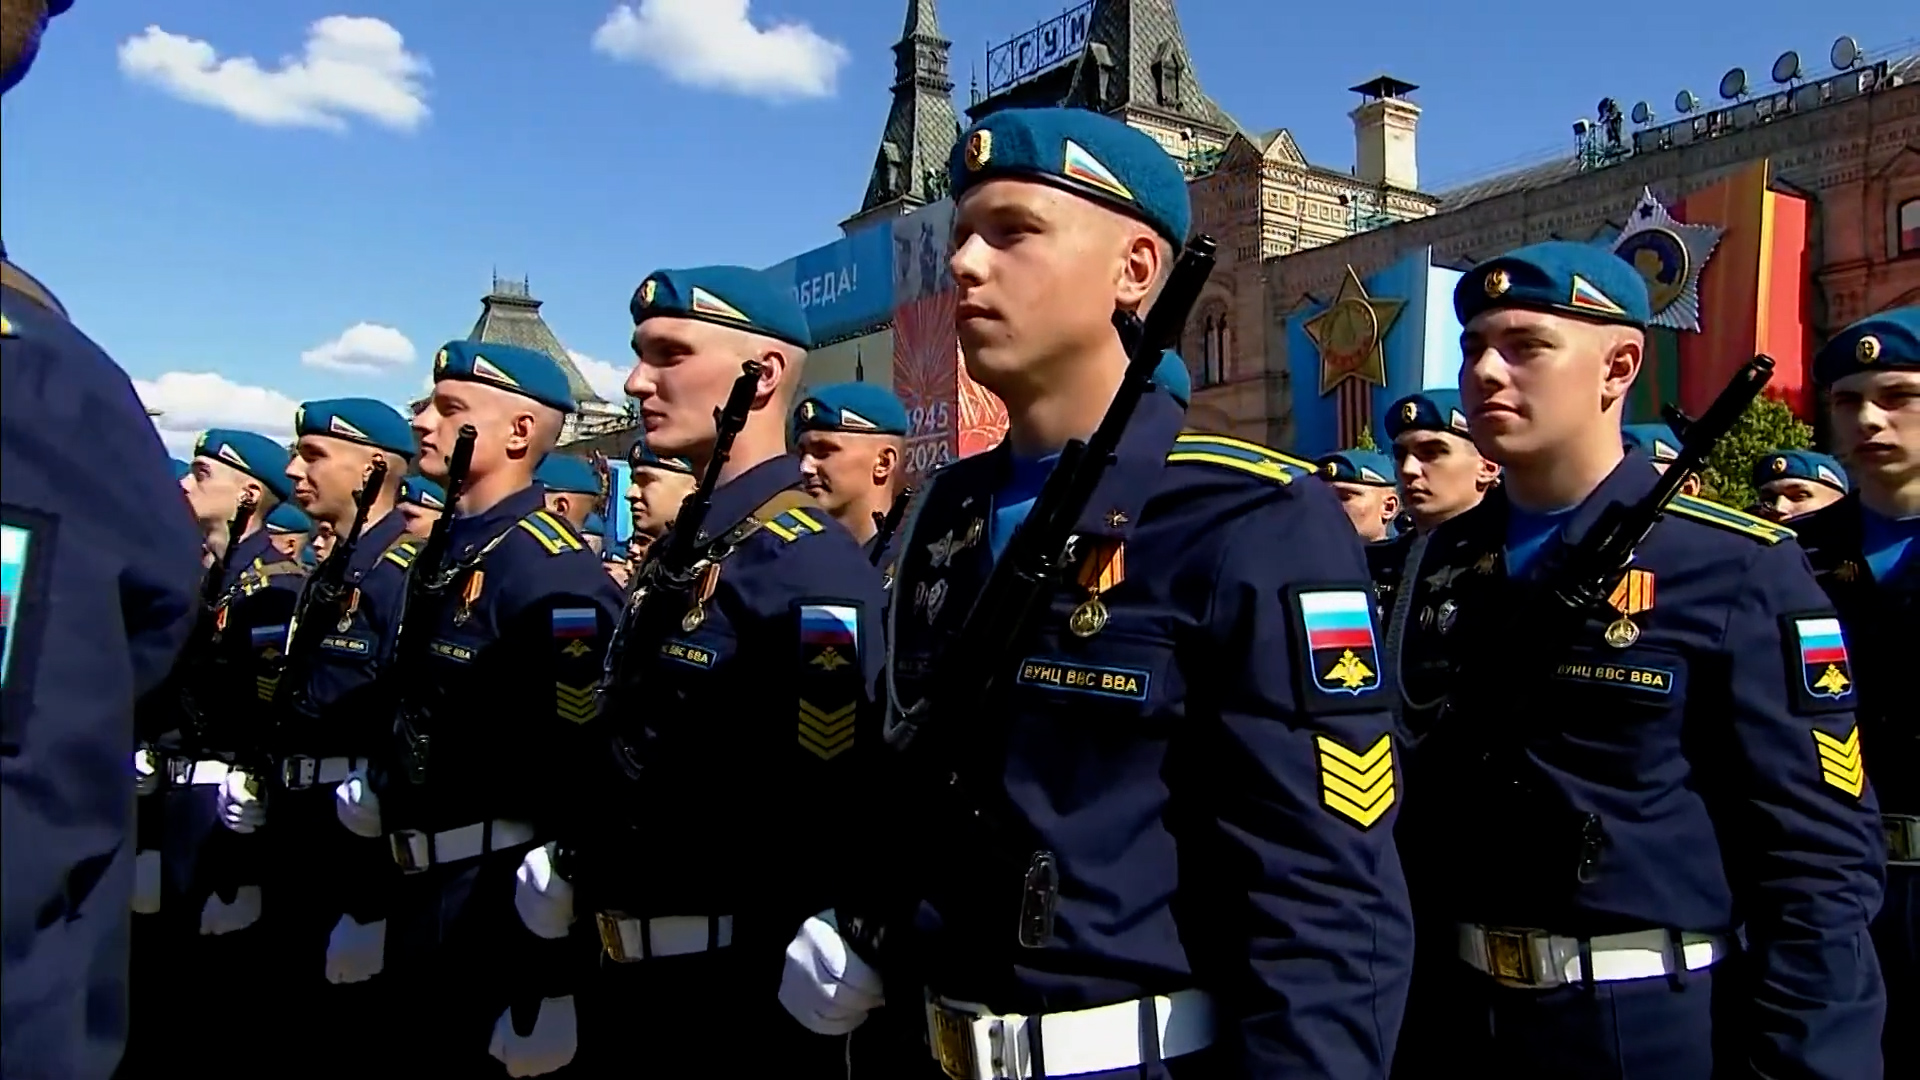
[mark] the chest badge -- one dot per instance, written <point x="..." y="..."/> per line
<point x="702" y="592"/>
<point x="930" y="598"/>
<point x="469" y="595"/>
<point x="1104" y="567"/>
<point x="1633" y="596"/>
<point x="1848" y="572"/>
<point x="941" y="552"/>
<point x="1486" y="563"/>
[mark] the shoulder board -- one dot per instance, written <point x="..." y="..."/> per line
<point x="1708" y="512"/>
<point x="552" y="532"/>
<point x="286" y="566"/>
<point x="403" y="553"/>
<point x="1200" y="448"/>
<point x="791" y="515"/>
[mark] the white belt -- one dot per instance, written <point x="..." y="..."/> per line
<point x="973" y="1044"/>
<point x="628" y="939"/>
<point x="1537" y="959"/>
<point x="1903" y="839"/>
<point x="299" y="772"/>
<point x="418" y="851"/>
<point x="185" y="772"/>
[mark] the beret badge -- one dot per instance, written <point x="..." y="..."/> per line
<point x="1779" y="465"/>
<point x="440" y="361"/>
<point x="1867" y="350"/>
<point x="807" y="410"/>
<point x="648" y="288"/>
<point x="1497" y="283"/>
<point x="979" y="149"/>
<point x="1409" y="412"/>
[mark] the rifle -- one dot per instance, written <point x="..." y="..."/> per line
<point x="1038" y="556"/>
<point x="672" y="561"/>
<point x="885" y="525"/>
<point x="427" y="587"/>
<point x="322" y="606"/>
<point x="213" y="588"/>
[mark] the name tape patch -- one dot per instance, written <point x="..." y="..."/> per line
<point x="1129" y="684"/>
<point x="687" y="653"/>
<point x="1655" y="680"/>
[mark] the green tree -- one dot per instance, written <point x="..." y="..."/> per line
<point x="1767" y="425"/>
<point x="1365" y="441"/>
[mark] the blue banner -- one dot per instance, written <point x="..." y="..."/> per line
<point x="845" y="287"/>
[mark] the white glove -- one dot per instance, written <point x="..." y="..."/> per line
<point x="146" y="883"/>
<point x="543" y="898"/>
<point x="356" y="951"/>
<point x="357" y="806"/>
<point x="825" y="986"/>
<point x="240" y="810"/>
<point x="146" y="772"/>
<point x="547" y="1049"/>
<point x="219" y="917"/>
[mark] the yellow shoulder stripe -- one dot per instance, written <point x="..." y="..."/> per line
<point x="402" y="553"/>
<point x="1202" y="448"/>
<point x="551" y="533"/>
<point x="1708" y="512"/>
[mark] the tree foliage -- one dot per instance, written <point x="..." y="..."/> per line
<point x="1365" y="441"/>
<point x="1766" y="426"/>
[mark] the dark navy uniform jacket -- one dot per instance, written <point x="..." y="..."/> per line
<point x="1214" y="770"/>
<point x="101" y="558"/>
<point x="1385" y="560"/>
<point x="1704" y="777"/>
<point x="731" y="774"/>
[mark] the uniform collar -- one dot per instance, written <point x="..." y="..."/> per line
<point x="375" y="541"/>
<point x="734" y="500"/>
<point x="497" y="518"/>
<point x="1629" y="481"/>
<point x="257" y="546"/>
<point x="1123" y="491"/>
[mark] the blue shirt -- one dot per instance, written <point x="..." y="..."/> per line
<point x="1886" y="541"/>
<point x="1015" y="498"/>
<point x="1527" y="535"/>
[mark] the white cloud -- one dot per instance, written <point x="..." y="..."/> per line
<point x="351" y="67"/>
<point x="362" y="349"/>
<point x="192" y="401"/>
<point x="714" y="45"/>
<point x="607" y="380"/>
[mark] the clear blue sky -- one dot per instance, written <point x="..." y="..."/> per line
<point x="204" y="216"/>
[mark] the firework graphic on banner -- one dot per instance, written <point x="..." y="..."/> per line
<point x="926" y="373"/>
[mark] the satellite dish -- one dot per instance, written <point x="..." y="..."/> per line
<point x="1642" y="113"/>
<point x="1787" y="68"/>
<point x="1733" y="84"/>
<point x="1684" y="102"/>
<point x="1845" y="54"/>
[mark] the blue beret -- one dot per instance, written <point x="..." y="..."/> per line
<point x="180" y="468"/>
<point x="640" y="455"/>
<point x="1089" y="154"/>
<point x="361" y="420"/>
<point x="523" y="371"/>
<point x="564" y="474"/>
<point x="421" y="491"/>
<point x="731" y="296"/>
<point x="1889" y="341"/>
<point x="595" y="525"/>
<point x="1428" y="410"/>
<point x="256" y="455"/>
<point x="1173" y="377"/>
<point x="1657" y="441"/>
<point x="1799" y="465"/>
<point x="1561" y="277"/>
<point x="1367" y="467"/>
<point x="856" y="408"/>
<point x="288" y="518"/>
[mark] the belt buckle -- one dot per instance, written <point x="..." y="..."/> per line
<point x="615" y="946"/>
<point x="298" y="772"/>
<point x="1510" y="955"/>
<point x="179" y="771"/>
<point x="952" y="1032"/>
<point x="412" y="850"/>
<point x="1903" y="837"/>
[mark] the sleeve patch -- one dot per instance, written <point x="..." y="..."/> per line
<point x="831" y="677"/>
<point x="576" y="685"/>
<point x="1357" y="786"/>
<point x="1341" y="653"/>
<point x="574" y="628"/>
<point x="1840" y="761"/>
<point x="20" y="557"/>
<point x="1820" y="674"/>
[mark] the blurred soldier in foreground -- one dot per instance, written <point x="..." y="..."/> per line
<point x="1795" y="483"/>
<point x="103" y="531"/>
<point x="1865" y="547"/>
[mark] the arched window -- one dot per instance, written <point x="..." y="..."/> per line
<point x="1907" y="220"/>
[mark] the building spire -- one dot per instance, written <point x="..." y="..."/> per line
<point x="910" y="169"/>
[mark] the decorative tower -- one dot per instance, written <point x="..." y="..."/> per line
<point x="509" y="315"/>
<point x="1383" y="134"/>
<point x="910" y="170"/>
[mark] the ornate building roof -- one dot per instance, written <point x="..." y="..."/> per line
<point x="510" y="315"/>
<point x="909" y="170"/>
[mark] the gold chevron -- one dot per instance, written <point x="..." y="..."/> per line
<point x="1357" y="786"/>
<point x="1840" y="761"/>
<point x="576" y="703"/>
<point x="826" y="734"/>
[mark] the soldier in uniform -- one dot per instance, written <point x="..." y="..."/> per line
<point x="572" y="487"/>
<point x="101" y="532"/>
<point x="657" y="488"/>
<point x="1658" y="444"/>
<point x="495" y="667"/>
<point x="1865" y="548"/>
<point x="735" y="701"/>
<point x="325" y="893"/>
<point x="1363" y="481"/>
<point x="1442" y="475"/>
<point x="1190" y="755"/>
<point x="1659" y="845"/>
<point x="851" y="438"/>
<point x="1795" y="483"/>
<point x="289" y="531"/>
<point x="421" y="503"/>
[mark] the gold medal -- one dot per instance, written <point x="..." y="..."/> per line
<point x="702" y="592"/>
<point x="1622" y="633"/>
<point x="1632" y="595"/>
<point x="692" y="619"/>
<point x="1089" y="618"/>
